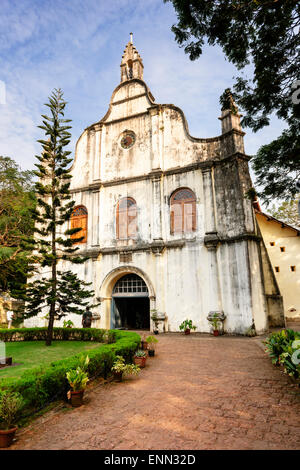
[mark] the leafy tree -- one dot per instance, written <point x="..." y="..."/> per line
<point x="17" y="199"/>
<point x="59" y="291"/>
<point x="265" y="35"/>
<point x="287" y="211"/>
<point x="277" y="165"/>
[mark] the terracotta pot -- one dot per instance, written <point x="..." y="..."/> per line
<point x="187" y="331"/>
<point x="151" y="352"/>
<point x="77" y="398"/>
<point x="6" y="437"/>
<point x="216" y="332"/>
<point x="118" y="376"/>
<point x="140" y="361"/>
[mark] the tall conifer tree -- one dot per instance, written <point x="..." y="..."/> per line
<point x="59" y="291"/>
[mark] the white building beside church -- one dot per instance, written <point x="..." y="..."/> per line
<point x="166" y="223"/>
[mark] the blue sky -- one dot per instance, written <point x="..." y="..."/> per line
<point x="77" y="45"/>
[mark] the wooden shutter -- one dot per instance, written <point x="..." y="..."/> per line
<point x="131" y="221"/>
<point x="79" y="220"/>
<point x="126" y="219"/>
<point x="183" y="211"/>
<point x="188" y="216"/>
<point x="178" y="217"/>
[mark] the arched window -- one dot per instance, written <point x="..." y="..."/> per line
<point x="129" y="69"/>
<point x="126" y="218"/>
<point x="183" y="211"/>
<point x="79" y="220"/>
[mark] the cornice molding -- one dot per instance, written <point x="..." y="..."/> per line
<point x="158" y="173"/>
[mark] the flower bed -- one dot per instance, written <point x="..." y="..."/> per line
<point x="41" y="385"/>
<point x="284" y="349"/>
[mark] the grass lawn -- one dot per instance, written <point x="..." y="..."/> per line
<point x="34" y="353"/>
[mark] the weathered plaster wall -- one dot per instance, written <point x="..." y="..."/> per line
<point x="288" y="281"/>
<point x="217" y="267"/>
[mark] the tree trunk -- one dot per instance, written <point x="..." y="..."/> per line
<point x="50" y="325"/>
<point x="53" y="265"/>
<point x="53" y="294"/>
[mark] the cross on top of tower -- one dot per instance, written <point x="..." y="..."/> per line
<point x="131" y="64"/>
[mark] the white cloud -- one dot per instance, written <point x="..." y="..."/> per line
<point x="78" y="46"/>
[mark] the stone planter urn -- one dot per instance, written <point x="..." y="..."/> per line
<point x="219" y="318"/>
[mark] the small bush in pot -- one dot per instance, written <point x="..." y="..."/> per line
<point x="68" y="324"/>
<point x="187" y="326"/>
<point x="215" y="322"/>
<point x="10" y="405"/>
<point x="120" y="368"/>
<point x="151" y="341"/>
<point x="144" y="344"/>
<point x="78" y="379"/>
<point x="140" y="358"/>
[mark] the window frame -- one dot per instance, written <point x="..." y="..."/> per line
<point x="125" y="211"/>
<point x="183" y="203"/>
<point x="78" y="217"/>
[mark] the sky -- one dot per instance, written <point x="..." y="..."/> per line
<point x="77" y="45"/>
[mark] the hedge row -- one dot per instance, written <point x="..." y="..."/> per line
<point x="41" y="385"/>
<point x="62" y="334"/>
<point x="284" y="349"/>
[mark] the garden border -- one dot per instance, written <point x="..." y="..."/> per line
<point x="40" y="386"/>
<point x="59" y="334"/>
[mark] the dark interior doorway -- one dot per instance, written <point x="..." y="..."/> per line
<point x="134" y="312"/>
<point x="130" y="303"/>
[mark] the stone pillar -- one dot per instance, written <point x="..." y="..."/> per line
<point x="230" y="121"/>
<point x="159" y="283"/>
<point x="97" y="152"/>
<point x="211" y="241"/>
<point x="156" y="207"/>
<point x="209" y="205"/>
<point x="94" y="216"/>
<point x="231" y="124"/>
<point x="155" y="137"/>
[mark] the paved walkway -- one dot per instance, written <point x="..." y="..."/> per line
<point x="199" y="392"/>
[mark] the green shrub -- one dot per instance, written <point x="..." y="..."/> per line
<point x="10" y="406"/>
<point x="61" y="334"/>
<point x="282" y="347"/>
<point x="187" y="325"/>
<point x="41" y="385"/>
<point x="120" y="366"/>
<point x="77" y="379"/>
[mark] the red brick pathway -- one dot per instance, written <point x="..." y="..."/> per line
<point x="199" y="392"/>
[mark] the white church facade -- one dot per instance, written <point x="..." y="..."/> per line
<point x="165" y="220"/>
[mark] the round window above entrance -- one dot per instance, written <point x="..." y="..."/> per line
<point x="128" y="140"/>
<point x="130" y="285"/>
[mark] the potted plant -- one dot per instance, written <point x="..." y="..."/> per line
<point x="140" y="357"/>
<point x="10" y="405"/>
<point x="215" y="321"/>
<point x="144" y="344"/>
<point x="78" y="379"/>
<point x="120" y="368"/>
<point x="187" y="326"/>
<point x="68" y="324"/>
<point x="151" y="341"/>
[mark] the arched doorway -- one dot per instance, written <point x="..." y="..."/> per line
<point x="130" y="303"/>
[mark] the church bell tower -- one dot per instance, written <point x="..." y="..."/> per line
<point x="131" y="64"/>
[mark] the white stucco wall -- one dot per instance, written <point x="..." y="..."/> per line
<point x="186" y="277"/>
